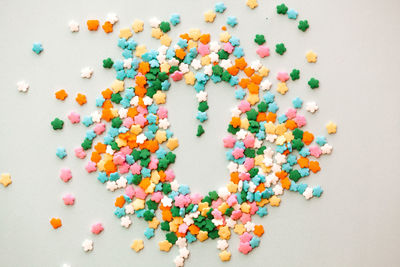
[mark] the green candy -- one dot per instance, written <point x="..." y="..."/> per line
<point x="295" y="74"/>
<point x="171" y="238"/>
<point x="200" y="130"/>
<point x="108" y="63"/>
<point x="280" y="49"/>
<point x="116" y="98"/>
<point x="203" y="106"/>
<point x="303" y="25"/>
<point x="259" y="39"/>
<point x="313" y="83"/>
<point x="87" y="144"/>
<point x="281" y="9"/>
<point x="294" y="175"/>
<point x="148" y="215"/>
<point x="116" y="122"/>
<point x="165" y="26"/>
<point x="57" y="124"/>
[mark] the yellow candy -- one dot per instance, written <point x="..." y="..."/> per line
<point x="137" y="245"/>
<point x="164" y="245"/>
<point x="172" y="143"/>
<point x="125" y="33"/>
<point x="137" y="25"/>
<point x="225" y="255"/>
<point x="117" y="86"/>
<point x="202" y="235"/>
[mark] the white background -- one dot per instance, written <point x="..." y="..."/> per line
<point x="354" y="223"/>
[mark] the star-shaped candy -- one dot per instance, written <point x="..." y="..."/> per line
<point x="281" y="9"/>
<point x="179" y="261"/>
<point x="231" y="21"/>
<point x="222" y="244"/>
<point x="313" y="83"/>
<point x="112" y="186"/>
<point x="56" y="223"/>
<point x="331" y="127"/>
<point x="61" y="94"/>
<point x="252" y="3"/>
<point x="22" y="86"/>
<point x="57" y="124"/>
<point x="61" y="152"/>
<point x="181" y="242"/>
<point x="311" y="57"/>
<point x="137" y="245"/>
<point x="209" y="16"/>
<point x="37" y="48"/>
<point x="297" y="102"/>
<point x="97" y="228"/>
<point x="295" y="74"/>
<point x="259" y="39"/>
<point x="5" y="179"/>
<point x="87" y="245"/>
<point x="292" y="14"/>
<point x="326" y="149"/>
<point x="308" y="193"/>
<point x="274" y="201"/>
<point x="68" y="199"/>
<point x="311" y="107"/>
<point x="282" y="88"/>
<point x="73" y="26"/>
<point x="317" y="191"/>
<point x="184" y="252"/>
<point x="225" y="255"/>
<point x="86" y="72"/>
<point x="303" y="25"/>
<point x="74" y="117"/>
<point x="112" y="18"/>
<point x="232" y="167"/>
<point x="280" y="49"/>
<point x="126" y="221"/>
<point x="265" y="85"/>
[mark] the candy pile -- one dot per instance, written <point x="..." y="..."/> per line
<point x="268" y="150"/>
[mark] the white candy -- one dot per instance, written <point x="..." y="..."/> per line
<point x="154" y="22"/>
<point x="87" y="245"/>
<point x="308" y="193"/>
<point x="87" y="72"/>
<point x="311" y="107"/>
<point x="126" y="221"/>
<point x="265" y="85"/>
<point x="73" y="26"/>
<point x="22" y="86"/>
<point x="112" y="18"/>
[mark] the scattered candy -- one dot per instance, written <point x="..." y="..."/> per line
<point x="292" y="14"/>
<point x="281" y="9"/>
<point x="61" y="95"/>
<point x="37" y="48"/>
<point x="22" y="86"/>
<point x="313" y="83"/>
<point x="93" y="24"/>
<point x="252" y="3"/>
<point x="73" y="26"/>
<point x="303" y="25"/>
<point x="311" y="107"/>
<point x="5" y="179"/>
<point x="97" y="228"/>
<point x="268" y="150"/>
<point x="56" y="223"/>
<point x="87" y="245"/>
<point x="57" y="124"/>
<point x="137" y="245"/>
<point x="311" y="57"/>
<point x="87" y="72"/>
<point x="61" y="152"/>
<point x="331" y="128"/>
<point x="280" y="49"/>
<point x="65" y="175"/>
<point x="68" y="199"/>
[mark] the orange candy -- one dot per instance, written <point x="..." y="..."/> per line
<point x="285" y="182"/>
<point x="61" y="94"/>
<point x="240" y="63"/>
<point x="119" y="201"/>
<point x="92" y="24"/>
<point x="308" y="138"/>
<point x="258" y="230"/>
<point x="303" y="162"/>
<point x="314" y="166"/>
<point x="205" y="38"/>
<point x="107" y="27"/>
<point x="81" y="99"/>
<point x="55" y="222"/>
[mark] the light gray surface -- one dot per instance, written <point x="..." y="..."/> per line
<point x="355" y="223"/>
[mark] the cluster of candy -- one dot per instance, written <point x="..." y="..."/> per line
<point x="267" y="150"/>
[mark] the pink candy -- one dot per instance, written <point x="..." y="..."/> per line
<point x="65" y="175"/>
<point x="80" y="153"/>
<point x="262" y="51"/>
<point x="282" y="76"/>
<point x="68" y="199"/>
<point x="99" y="128"/>
<point x="74" y="117"/>
<point x="176" y="76"/>
<point x="97" y="228"/>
